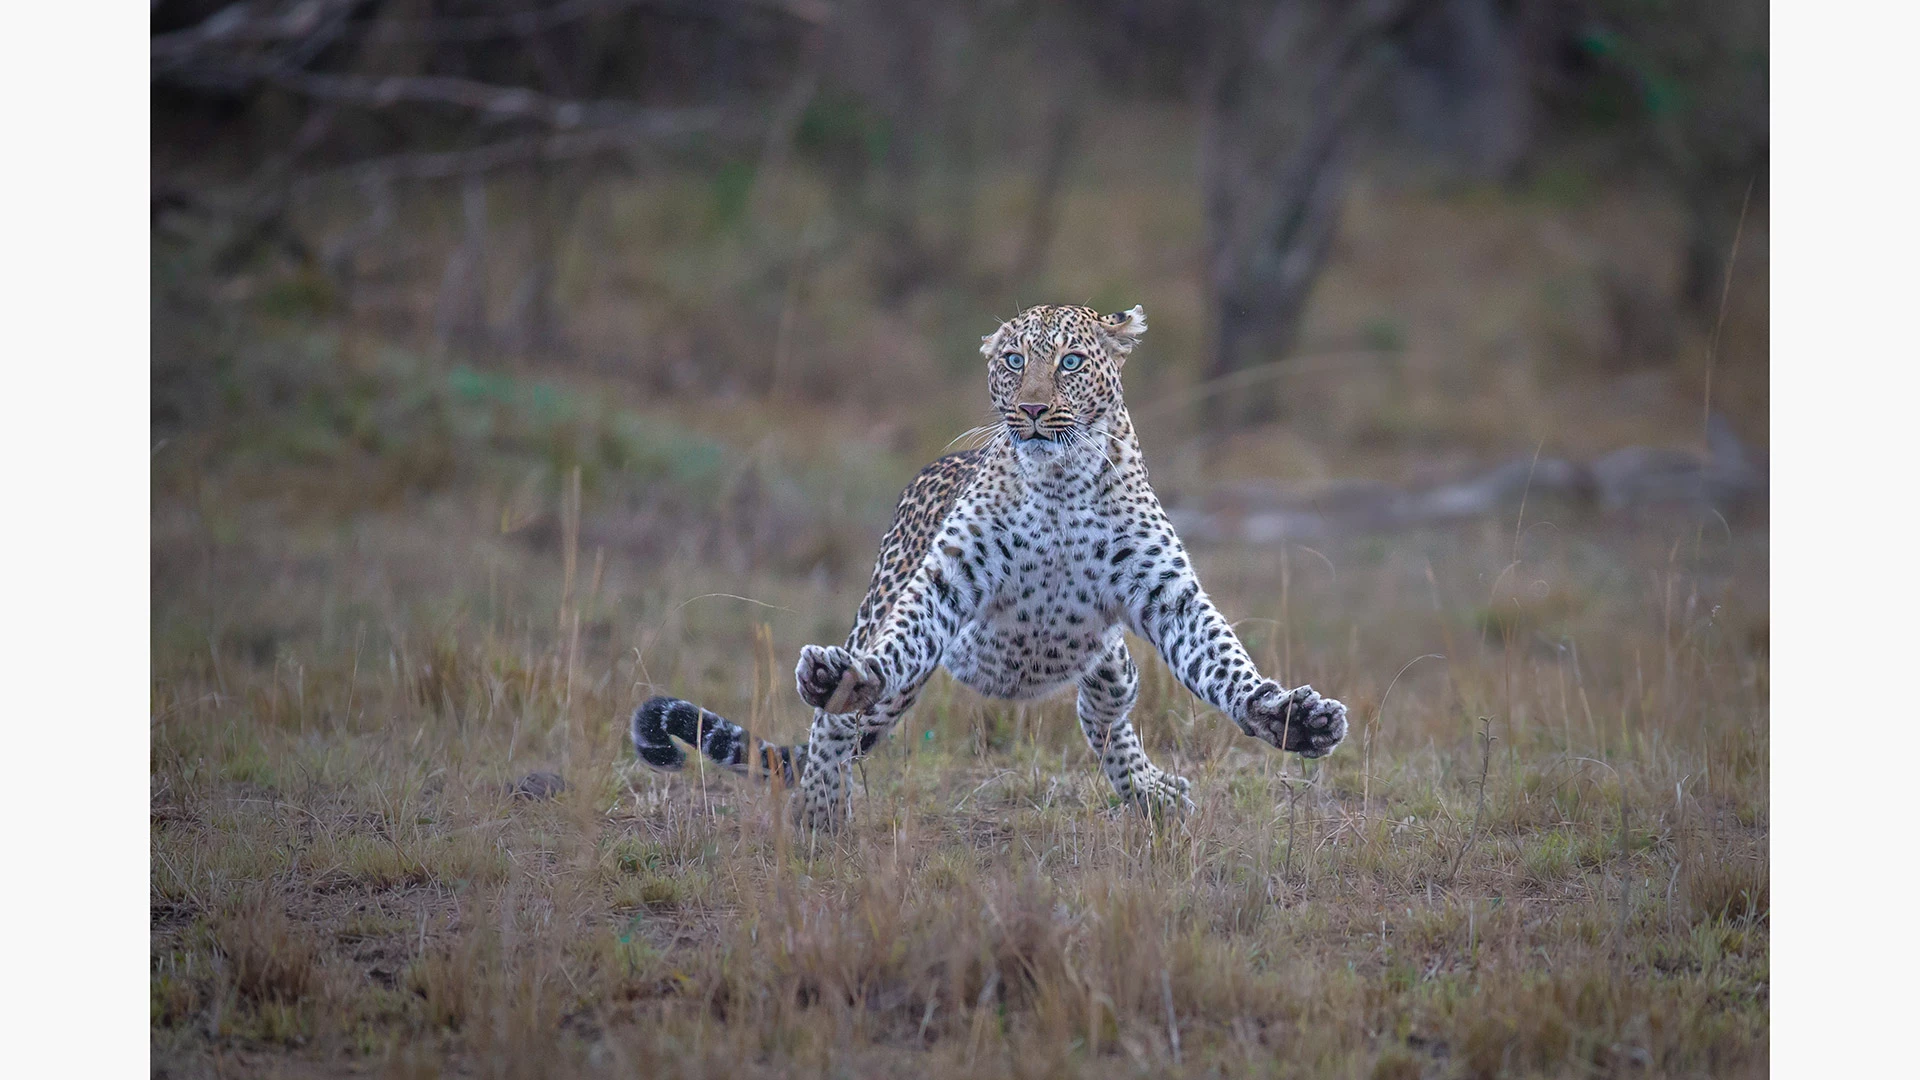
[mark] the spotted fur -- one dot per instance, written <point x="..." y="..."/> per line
<point x="1019" y="567"/>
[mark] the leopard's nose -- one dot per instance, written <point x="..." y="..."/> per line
<point x="1033" y="411"/>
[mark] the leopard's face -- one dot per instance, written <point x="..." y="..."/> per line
<point x="1053" y="373"/>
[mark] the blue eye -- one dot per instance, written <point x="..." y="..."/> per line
<point x="1015" y="361"/>
<point x="1072" y="361"/>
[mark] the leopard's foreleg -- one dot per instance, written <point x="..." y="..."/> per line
<point x="834" y="743"/>
<point x="865" y="686"/>
<point x="1165" y="604"/>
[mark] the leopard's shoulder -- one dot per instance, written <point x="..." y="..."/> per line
<point x="923" y="508"/>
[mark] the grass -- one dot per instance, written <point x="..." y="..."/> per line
<point x="342" y="881"/>
<point x="387" y="585"/>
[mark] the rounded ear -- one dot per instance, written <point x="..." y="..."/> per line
<point x="988" y="348"/>
<point x="1124" y="330"/>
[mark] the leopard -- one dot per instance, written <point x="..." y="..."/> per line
<point x="1020" y="566"/>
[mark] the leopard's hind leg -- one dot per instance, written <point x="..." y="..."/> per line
<point x="1108" y="688"/>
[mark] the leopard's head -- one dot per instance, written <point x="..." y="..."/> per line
<point x="1053" y="372"/>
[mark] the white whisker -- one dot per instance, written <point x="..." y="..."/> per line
<point x="971" y="433"/>
<point x="981" y="437"/>
<point x="1079" y="436"/>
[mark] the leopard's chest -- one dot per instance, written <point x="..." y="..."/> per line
<point x="1048" y="614"/>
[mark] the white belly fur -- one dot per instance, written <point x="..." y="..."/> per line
<point x="991" y="656"/>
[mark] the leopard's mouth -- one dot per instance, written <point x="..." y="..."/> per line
<point x="1041" y="433"/>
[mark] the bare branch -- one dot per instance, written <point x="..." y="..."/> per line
<point x="506" y="102"/>
<point x="529" y="23"/>
<point x="497" y="102"/>
<point x="443" y="165"/>
<point x="238" y="25"/>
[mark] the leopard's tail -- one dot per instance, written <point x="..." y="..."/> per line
<point x="724" y="742"/>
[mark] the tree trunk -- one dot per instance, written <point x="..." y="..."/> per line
<point x="1284" y="82"/>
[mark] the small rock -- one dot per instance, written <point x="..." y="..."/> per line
<point x="538" y="785"/>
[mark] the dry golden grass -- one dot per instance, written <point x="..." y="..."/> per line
<point x="341" y="880"/>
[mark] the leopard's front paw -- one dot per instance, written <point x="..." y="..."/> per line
<point x="836" y="679"/>
<point x="821" y="803"/>
<point x="1299" y="720"/>
<point x="1160" y="794"/>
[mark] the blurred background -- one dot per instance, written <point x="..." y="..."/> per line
<point x="684" y="288"/>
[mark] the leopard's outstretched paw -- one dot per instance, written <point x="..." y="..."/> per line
<point x="1299" y="720"/>
<point x="838" y="680"/>
<point x="1161" y="795"/>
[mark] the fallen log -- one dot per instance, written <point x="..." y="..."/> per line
<point x="1725" y="479"/>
